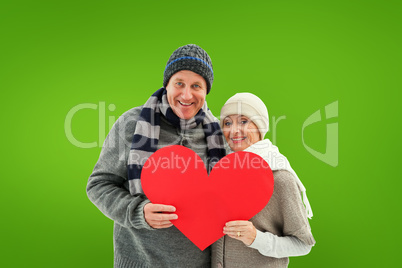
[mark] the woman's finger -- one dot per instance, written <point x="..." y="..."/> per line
<point x="236" y="228"/>
<point x="237" y="232"/>
<point x="237" y="223"/>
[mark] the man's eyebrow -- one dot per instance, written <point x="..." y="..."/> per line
<point x="199" y="83"/>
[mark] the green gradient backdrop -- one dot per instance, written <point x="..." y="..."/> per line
<point x="298" y="56"/>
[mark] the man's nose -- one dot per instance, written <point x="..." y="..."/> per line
<point x="187" y="94"/>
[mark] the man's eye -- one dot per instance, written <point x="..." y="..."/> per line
<point x="179" y="83"/>
<point x="196" y="86"/>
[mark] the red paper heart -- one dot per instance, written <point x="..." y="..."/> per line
<point x="238" y="187"/>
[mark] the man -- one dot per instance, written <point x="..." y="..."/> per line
<point x="175" y="114"/>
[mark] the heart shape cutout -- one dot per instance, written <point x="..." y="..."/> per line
<point x="238" y="187"/>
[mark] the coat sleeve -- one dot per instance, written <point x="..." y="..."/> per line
<point x="107" y="186"/>
<point x="296" y="238"/>
<point x="293" y="213"/>
<point x="275" y="246"/>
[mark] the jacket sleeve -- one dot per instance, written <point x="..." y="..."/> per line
<point x="296" y="238"/>
<point x="275" y="246"/>
<point x="107" y="186"/>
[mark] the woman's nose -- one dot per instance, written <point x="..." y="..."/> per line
<point x="235" y="128"/>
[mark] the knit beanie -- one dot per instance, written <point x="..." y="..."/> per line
<point x="249" y="105"/>
<point x="193" y="58"/>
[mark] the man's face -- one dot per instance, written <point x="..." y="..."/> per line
<point x="186" y="93"/>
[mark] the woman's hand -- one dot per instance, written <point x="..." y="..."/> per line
<point x="241" y="230"/>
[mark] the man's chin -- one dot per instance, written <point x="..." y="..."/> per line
<point x="185" y="115"/>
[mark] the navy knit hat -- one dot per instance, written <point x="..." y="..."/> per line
<point x="193" y="58"/>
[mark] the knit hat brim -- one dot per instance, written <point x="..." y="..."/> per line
<point x="191" y="65"/>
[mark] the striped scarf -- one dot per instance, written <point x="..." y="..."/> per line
<point x="146" y="135"/>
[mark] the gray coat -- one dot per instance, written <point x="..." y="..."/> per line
<point x="136" y="244"/>
<point x="284" y="215"/>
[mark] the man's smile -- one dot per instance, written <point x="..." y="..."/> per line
<point x="185" y="104"/>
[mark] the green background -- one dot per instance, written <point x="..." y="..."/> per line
<point x="298" y="56"/>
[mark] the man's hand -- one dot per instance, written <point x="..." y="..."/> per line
<point x="159" y="216"/>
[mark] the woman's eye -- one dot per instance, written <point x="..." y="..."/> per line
<point x="243" y="122"/>
<point x="226" y="124"/>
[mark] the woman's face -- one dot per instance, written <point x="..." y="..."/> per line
<point x="240" y="132"/>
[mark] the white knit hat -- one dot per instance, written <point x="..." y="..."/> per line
<point x="249" y="105"/>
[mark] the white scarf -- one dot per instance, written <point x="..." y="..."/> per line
<point x="277" y="161"/>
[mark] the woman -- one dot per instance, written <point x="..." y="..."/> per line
<point x="281" y="229"/>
